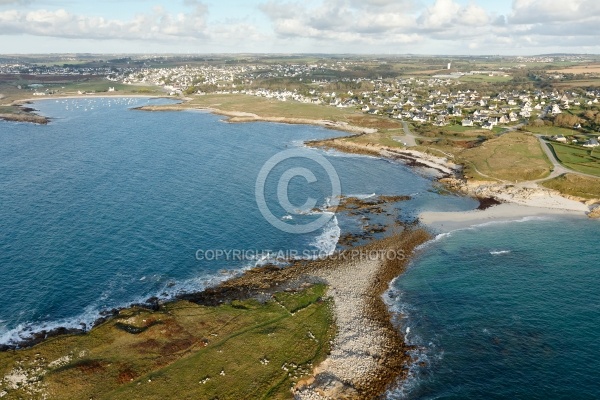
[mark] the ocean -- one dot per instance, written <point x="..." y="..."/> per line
<point x="504" y="311"/>
<point x="108" y="206"/>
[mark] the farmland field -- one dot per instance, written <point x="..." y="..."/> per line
<point x="578" y="158"/>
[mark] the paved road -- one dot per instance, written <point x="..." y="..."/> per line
<point x="409" y="140"/>
<point x="559" y="169"/>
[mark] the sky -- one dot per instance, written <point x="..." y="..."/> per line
<point x="445" y="27"/>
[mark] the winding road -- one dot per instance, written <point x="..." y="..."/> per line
<point x="558" y="168"/>
<point x="410" y="140"/>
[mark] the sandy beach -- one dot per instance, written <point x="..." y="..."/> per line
<point x="444" y="222"/>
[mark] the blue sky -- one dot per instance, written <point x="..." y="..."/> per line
<point x="463" y="27"/>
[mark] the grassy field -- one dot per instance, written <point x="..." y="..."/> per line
<point x="485" y="78"/>
<point x="70" y="86"/>
<point x="578" y="158"/>
<point x="292" y="109"/>
<point x="235" y="351"/>
<point x="578" y="83"/>
<point x="549" y="130"/>
<point x="512" y="157"/>
<point x="575" y="185"/>
<point x="469" y="131"/>
<point x="9" y="110"/>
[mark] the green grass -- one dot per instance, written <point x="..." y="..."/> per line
<point x="461" y="129"/>
<point x="578" y="158"/>
<point x="180" y="352"/>
<point x="512" y="157"/>
<point x="385" y="138"/>
<point x="270" y="108"/>
<point x="9" y="110"/>
<point x="575" y="185"/>
<point x="294" y="301"/>
<point x="485" y="78"/>
<point x="578" y="83"/>
<point x="552" y="130"/>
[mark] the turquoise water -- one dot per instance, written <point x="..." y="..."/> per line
<point x="106" y="206"/>
<point x="507" y="311"/>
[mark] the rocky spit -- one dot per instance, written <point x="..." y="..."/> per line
<point x="358" y="345"/>
<point x="368" y="354"/>
<point x="240" y="116"/>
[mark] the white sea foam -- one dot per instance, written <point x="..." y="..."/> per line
<point x="327" y="241"/>
<point x="362" y="196"/>
<point x="508" y="221"/>
<point x="340" y="154"/>
<point x="437" y="238"/>
<point x="499" y="252"/>
<point x="445" y="235"/>
<point x="422" y="354"/>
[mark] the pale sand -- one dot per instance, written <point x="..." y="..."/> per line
<point x="359" y="343"/>
<point x="444" y="222"/>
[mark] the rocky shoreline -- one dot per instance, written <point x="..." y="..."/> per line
<point x="368" y="354"/>
<point x="24" y="114"/>
<point x="450" y="175"/>
<point x="239" y="117"/>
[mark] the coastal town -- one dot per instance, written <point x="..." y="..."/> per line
<point x="492" y="102"/>
<point x="505" y="132"/>
<point x="307" y="200"/>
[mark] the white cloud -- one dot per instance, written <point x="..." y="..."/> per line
<point x="544" y="11"/>
<point x="333" y="26"/>
<point x="372" y="21"/>
<point x="346" y="21"/>
<point x="439" y="16"/>
<point x="531" y="23"/>
<point x="158" y="24"/>
<point x="14" y="2"/>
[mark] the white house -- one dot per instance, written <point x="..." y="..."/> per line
<point x="591" y="143"/>
<point x="559" y="138"/>
<point x="488" y="125"/>
<point x="556" y="109"/>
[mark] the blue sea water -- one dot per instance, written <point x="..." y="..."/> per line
<point x="504" y="311"/>
<point x="107" y="206"/>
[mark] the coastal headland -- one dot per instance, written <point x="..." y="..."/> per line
<point x="314" y="330"/>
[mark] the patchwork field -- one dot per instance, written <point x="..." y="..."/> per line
<point x="485" y="78"/>
<point x="579" y="69"/>
<point x="512" y="157"/>
<point x="240" y="350"/>
<point x="578" y="158"/>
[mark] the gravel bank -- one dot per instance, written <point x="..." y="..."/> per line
<point x="368" y="354"/>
